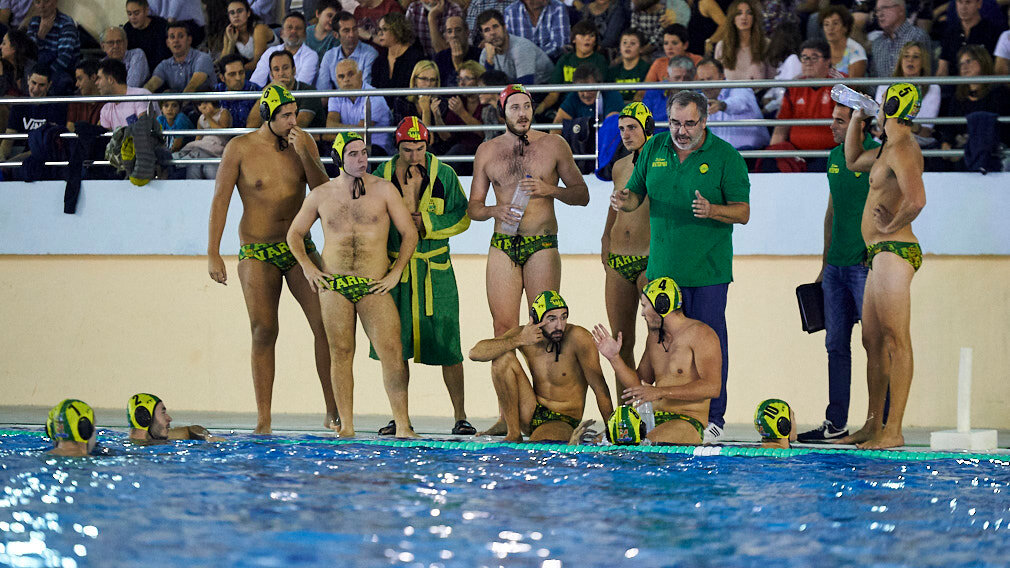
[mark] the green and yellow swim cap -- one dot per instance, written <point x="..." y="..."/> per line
<point x="544" y="302"/>
<point x="339" y="143"/>
<point x="274" y="96"/>
<point x="625" y="427"/>
<point x="643" y="115"/>
<point x="771" y="419"/>
<point x="72" y="420"/>
<point x="664" y="295"/>
<point x="902" y="101"/>
<point x="140" y="410"/>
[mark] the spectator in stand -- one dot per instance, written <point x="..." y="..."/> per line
<point x="322" y="36"/>
<point x="519" y="58"/>
<point x="914" y="61"/>
<point x="231" y="73"/>
<point x="112" y="81"/>
<point x="581" y="104"/>
<point x="475" y="9"/>
<point x="974" y="61"/>
<point x="584" y="42"/>
<point x="146" y="32"/>
<point x="731" y="104"/>
<point x="1001" y="66"/>
<point x="809" y="102"/>
<point x="14" y="12"/>
<point x="461" y="110"/>
<point x="189" y="12"/>
<point x="212" y="117"/>
<point x="399" y="52"/>
<point x="631" y="68"/>
<point x="187" y="71"/>
<point x="489" y="113"/>
<point x="608" y="19"/>
<point x="55" y="34"/>
<point x="351" y="47"/>
<point x="424" y="76"/>
<point x="86" y="74"/>
<point x="428" y="18"/>
<point x="311" y="113"/>
<point x="675" y="43"/>
<point x="544" y="22"/>
<point x="680" y="69"/>
<point x="647" y="18"/>
<point x="708" y="18"/>
<point x="172" y="119"/>
<point x="349" y="112"/>
<point x="969" y="29"/>
<point x="783" y="46"/>
<point x="459" y="50"/>
<point x="21" y="52"/>
<point x="115" y="47"/>
<point x="847" y="56"/>
<point x="266" y="10"/>
<point x="897" y="31"/>
<point x="742" y="49"/>
<point x="27" y="117"/>
<point x="306" y="60"/>
<point x="369" y="12"/>
<point x="245" y="34"/>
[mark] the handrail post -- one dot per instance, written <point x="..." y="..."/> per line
<point x="597" y="108"/>
<point x="368" y="118"/>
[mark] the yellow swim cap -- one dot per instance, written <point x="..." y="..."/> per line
<point x="274" y="96"/>
<point x="339" y="143"/>
<point x="544" y="302"/>
<point x="625" y="427"/>
<point x="72" y="420"/>
<point x="902" y="101"/>
<point x="664" y="295"/>
<point x="643" y="115"/>
<point x="140" y="410"/>
<point x="771" y="419"/>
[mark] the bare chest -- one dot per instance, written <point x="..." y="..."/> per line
<point x="507" y="166"/>
<point x="676" y="364"/>
<point x="562" y="372"/>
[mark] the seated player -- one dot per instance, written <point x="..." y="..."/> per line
<point x="71" y="427"/>
<point x="149" y="420"/>
<point x="774" y="420"/>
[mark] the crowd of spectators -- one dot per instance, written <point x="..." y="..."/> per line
<point x="242" y="45"/>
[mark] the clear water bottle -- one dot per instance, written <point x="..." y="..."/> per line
<point x="853" y="99"/>
<point x="645" y="411"/>
<point x="520" y="199"/>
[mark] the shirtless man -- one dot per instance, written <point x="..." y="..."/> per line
<point x="896" y="197"/>
<point x="356" y="210"/>
<point x="562" y="362"/>
<point x="71" y="428"/>
<point x="149" y="421"/>
<point x="680" y="371"/>
<point x="625" y="243"/>
<point x="271" y="167"/>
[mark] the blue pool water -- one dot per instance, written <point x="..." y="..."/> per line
<point x="269" y="502"/>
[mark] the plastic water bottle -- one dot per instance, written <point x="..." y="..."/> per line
<point x="520" y="199"/>
<point x="645" y="411"/>
<point x="853" y="99"/>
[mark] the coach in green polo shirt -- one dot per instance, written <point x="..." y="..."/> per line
<point x="842" y="277"/>
<point x="698" y="188"/>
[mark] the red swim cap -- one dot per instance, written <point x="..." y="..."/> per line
<point x="411" y="129"/>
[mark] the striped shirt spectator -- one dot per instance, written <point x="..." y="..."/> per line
<point x="476" y="8"/>
<point x="60" y="47"/>
<point x="551" y="32"/>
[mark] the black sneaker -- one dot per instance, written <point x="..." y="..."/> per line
<point x="823" y="434"/>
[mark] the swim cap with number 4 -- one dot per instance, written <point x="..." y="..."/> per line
<point x="664" y="295"/>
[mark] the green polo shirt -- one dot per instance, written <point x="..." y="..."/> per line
<point x="848" y="197"/>
<point x="694" y="252"/>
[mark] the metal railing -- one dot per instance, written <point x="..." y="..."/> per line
<point x="367" y="130"/>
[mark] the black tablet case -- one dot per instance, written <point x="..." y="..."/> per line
<point x="811" y="302"/>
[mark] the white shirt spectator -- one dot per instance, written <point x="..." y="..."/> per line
<point x="364" y="55"/>
<point x="353" y="112"/>
<point x="1003" y="45"/>
<point x="137" y="71"/>
<point x="306" y="65"/>
<point x="115" y="115"/>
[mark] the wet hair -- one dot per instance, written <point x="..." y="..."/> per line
<point x="399" y="27"/>
<point x="731" y="38"/>
<point x="114" y="69"/>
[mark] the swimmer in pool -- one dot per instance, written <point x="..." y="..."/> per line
<point x="71" y="427"/>
<point x="563" y="365"/>
<point x="680" y="371"/>
<point x="775" y="422"/>
<point x="271" y="168"/>
<point x="149" y="420"/>
<point x="356" y="210"/>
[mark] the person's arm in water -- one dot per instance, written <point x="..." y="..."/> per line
<point x="491" y="349"/>
<point x="194" y="432"/>
<point x="308" y="153"/>
<point x="707" y="359"/>
<point x="732" y="212"/>
<point x="296" y="242"/>
<point x="589" y="360"/>
<point x="907" y="168"/>
<point x="404" y="223"/>
<point x="477" y="207"/>
<point x="224" y="186"/>
<point x="610" y="348"/>
<point x="575" y="191"/>
<point x="857" y="159"/>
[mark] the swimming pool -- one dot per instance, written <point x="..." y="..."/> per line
<point x="308" y="502"/>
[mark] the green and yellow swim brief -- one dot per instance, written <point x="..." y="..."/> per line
<point x="354" y="288"/>
<point x="628" y="266"/>
<point x="911" y="252"/>
<point x="520" y="248"/>
<point x="543" y="415"/>
<point x="664" y="417"/>
<point x="277" y="254"/>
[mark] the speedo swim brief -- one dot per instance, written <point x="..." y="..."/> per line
<point x="542" y="415"/>
<point x="664" y="417"/>
<point x="277" y="254"/>
<point x="520" y="248"/>
<point x="911" y="252"/>
<point x="353" y="288"/>
<point x="628" y="266"/>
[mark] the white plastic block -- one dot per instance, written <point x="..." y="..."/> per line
<point x="970" y="440"/>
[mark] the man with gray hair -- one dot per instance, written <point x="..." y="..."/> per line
<point x="680" y="69"/>
<point x="698" y="186"/>
<point x="897" y="31"/>
<point x="115" y="46"/>
<point x="731" y="104"/>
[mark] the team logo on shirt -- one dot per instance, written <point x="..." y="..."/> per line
<point x="833" y="169"/>
<point x="659" y="163"/>
<point x="703" y="168"/>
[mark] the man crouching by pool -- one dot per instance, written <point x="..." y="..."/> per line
<point x="356" y="210"/>
<point x="149" y="421"/>
<point x="562" y="362"/>
<point x="680" y="371"/>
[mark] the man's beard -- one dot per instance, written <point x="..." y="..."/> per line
<point x="514" y="128"/>
<point x="689" y="146"/>
<point x="293" y="44"/>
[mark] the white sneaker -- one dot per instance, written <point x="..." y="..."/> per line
<point x="713" y="434"/>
